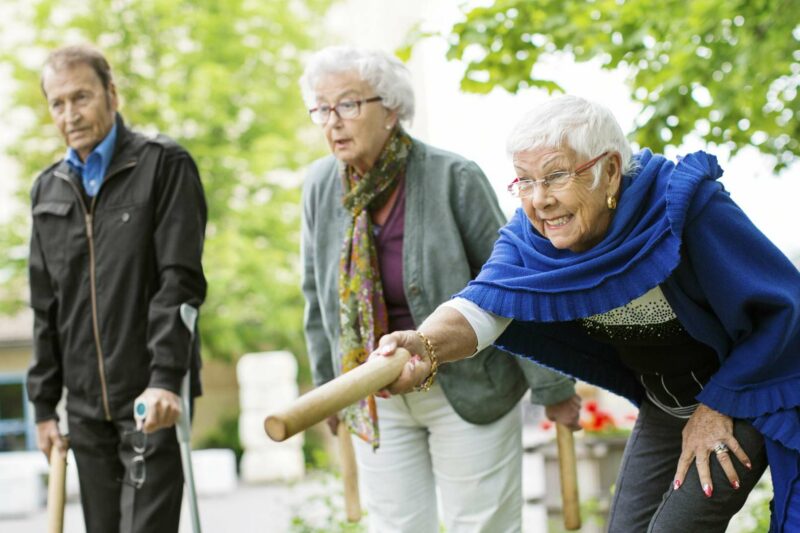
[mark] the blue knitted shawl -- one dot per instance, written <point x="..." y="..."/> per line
<point x="530" y="280"/>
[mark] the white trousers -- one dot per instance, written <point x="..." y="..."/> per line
<point x="426" y="446"/>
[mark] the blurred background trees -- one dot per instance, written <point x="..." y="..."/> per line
<point x="221" y="78"/>
<point x="727" y="71"/>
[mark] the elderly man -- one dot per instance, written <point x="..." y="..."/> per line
<point x="117" y="239"/>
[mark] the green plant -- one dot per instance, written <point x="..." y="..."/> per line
<point x="323" y="512"/>
<point x="755" y="516"/>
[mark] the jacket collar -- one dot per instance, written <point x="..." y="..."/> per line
<point x="125" y="148"/>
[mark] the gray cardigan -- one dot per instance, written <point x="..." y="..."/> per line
<point x="451" y="222"/>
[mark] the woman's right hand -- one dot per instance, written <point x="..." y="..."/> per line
<point x="333" y="424"/>
<point x="416" y="370"/>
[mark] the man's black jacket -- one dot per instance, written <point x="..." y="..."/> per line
<point x="108" y="275"/>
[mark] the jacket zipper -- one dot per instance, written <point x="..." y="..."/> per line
<point x="88" y="216"/>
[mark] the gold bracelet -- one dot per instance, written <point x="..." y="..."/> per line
<point x="426" y="385"/>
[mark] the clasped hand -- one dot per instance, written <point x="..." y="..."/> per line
<point x="163" y="409"/>
<point x="414" y="372"/>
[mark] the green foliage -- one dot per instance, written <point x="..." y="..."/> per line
<point x="315" y="453"/>
<point x="224" y="435"/>
<point x="221" y="78"/>
<point x="727" y="70"/>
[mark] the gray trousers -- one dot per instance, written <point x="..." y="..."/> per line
<point x="644" y="500"/>
<point x="111" y="504"/>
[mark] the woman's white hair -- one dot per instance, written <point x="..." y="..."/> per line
<point x="386" y="74"/>
<point x="586" y="127"/>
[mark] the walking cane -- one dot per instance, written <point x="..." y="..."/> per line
<point x="56" y="488"/>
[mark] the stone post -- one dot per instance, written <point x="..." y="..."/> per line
<point x="267" y="382"/>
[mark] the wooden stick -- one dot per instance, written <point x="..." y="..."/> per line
<point x="352" y="501"/>
<point x="56" y="489"/>
<point x="330" y="398"/>
<point x="569" y="477"/>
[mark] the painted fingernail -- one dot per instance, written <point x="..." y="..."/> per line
<point x="708" y="490"/>
<point x="676" y="484"/>
<point x="736" y="484"/>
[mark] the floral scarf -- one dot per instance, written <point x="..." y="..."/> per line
<point x="363" y="317"/>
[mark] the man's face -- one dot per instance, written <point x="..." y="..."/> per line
<point x="81" y="107"/>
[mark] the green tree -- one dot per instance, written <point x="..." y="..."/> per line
<point x="220" y="76"/>
<point x="726" y="70"/>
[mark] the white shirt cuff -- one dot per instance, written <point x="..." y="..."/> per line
<point x="487" y="326"/>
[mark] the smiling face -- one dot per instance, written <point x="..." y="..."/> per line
<point x="356" y="141"/>
<point x="82" y="109"/>
<point x="576" y="217"/>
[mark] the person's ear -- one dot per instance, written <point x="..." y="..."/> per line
<point x="113" y="100"/>
<point x="391" y="119"/>
<point x="613" y="172"/>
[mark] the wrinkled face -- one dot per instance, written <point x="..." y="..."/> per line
<point x="356" y="141"/>
<point x="82" y="109"/>
<point x="576" y="217"/>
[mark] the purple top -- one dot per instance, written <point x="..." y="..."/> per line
<point x="389" y="243"/>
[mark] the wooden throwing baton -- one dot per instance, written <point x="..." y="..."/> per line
<point x="330" y="398"/>
<point x="568" y="471"/>
<point x="347" y="455"/>
<point x="374" y="375"/>
<point x="56" y="488"/>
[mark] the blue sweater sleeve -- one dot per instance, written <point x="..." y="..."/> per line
<point x="754" y="292"/>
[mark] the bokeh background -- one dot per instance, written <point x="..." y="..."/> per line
<point x="220" y="76"/>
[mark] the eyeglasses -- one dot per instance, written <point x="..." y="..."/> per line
<point x="524" y="187"/>
<point x="138" y="472"/>
<point x="344" y="110"/>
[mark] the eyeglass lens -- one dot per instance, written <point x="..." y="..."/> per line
<point x="138" y="472"/>
<point x="139" y="444"/>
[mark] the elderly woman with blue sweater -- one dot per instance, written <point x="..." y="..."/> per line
<point x="642" y="276"/>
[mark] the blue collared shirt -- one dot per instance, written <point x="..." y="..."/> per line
<point x="96" y="164"/>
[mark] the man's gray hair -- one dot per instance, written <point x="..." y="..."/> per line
<point x="386" y="74"/>
<point x="586" y="127"/>
<point x="79" y="54"/>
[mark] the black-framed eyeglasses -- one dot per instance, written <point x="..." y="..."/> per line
<point x="138" y="473"/>
<point x="524" y="187"/>
<point x="346" y="109"/>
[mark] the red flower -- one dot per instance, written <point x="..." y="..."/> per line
<point x="597" y="420"/>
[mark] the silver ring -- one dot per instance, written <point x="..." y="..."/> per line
<point x="720" y="448"/>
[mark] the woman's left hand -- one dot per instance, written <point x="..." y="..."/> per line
<point x="709" y="432"/>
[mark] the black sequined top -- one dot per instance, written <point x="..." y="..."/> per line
<point x="671" y="365"/>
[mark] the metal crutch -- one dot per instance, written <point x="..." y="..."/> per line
<point x="183" y="425"/>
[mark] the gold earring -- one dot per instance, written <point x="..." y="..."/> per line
<point x="611" y="202"/>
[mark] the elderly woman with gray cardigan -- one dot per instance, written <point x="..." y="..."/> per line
<point x="393" y="227"/>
